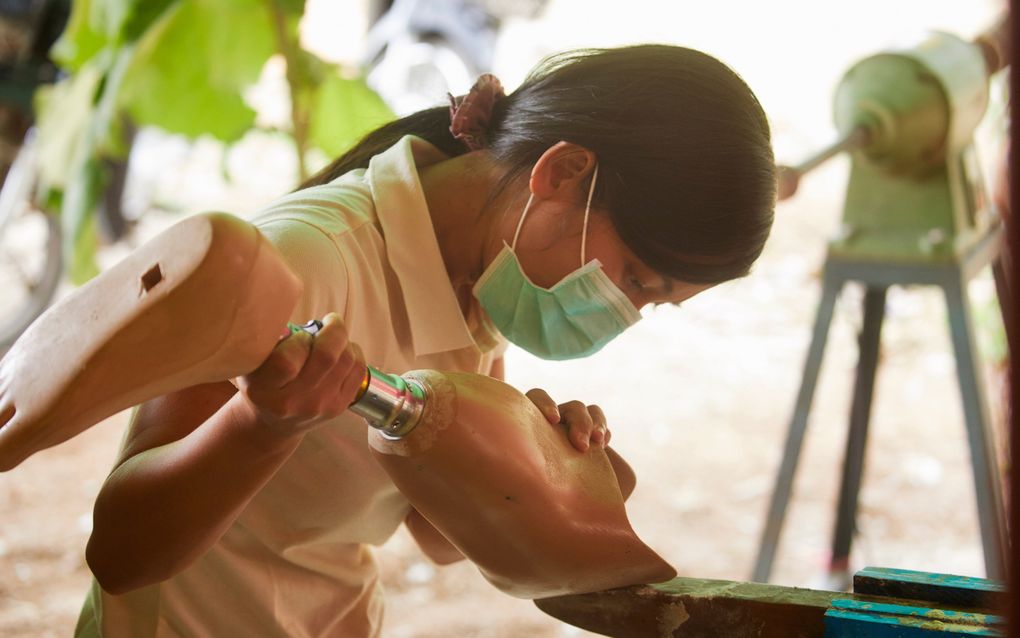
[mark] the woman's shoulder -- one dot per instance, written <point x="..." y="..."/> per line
<point x="335" y="209"/>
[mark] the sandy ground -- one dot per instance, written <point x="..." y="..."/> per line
<point x="698" y="397"/>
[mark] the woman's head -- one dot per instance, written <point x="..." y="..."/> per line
<point x="686" y="170"/>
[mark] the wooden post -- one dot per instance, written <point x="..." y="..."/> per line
<point x="1013" y="243"/>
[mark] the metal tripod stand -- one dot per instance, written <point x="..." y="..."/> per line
<point x="877" y="278"/>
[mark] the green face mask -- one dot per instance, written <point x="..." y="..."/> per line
<point x="575" y="318"/>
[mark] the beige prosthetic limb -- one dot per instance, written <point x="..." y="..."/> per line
<point x="204" y="301"/>
<point x="538" y="517"/>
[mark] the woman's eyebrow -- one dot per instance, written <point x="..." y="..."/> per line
<point x="675" y="304"/>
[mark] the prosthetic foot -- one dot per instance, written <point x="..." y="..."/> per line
<point x="204" y="301"/>
<point x="537" y="517"/>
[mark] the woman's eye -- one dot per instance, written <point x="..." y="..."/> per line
<point x="636" y="283"/>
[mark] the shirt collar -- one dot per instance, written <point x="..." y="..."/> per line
<point x="437" y="323"/>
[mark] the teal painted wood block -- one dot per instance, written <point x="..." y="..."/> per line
<point x="858" y="619"/>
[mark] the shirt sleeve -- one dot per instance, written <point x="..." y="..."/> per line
<point x="316" y="260"/>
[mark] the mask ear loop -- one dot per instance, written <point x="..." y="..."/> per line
<point x="587" y="211"/>
<point x="520" y="223"/>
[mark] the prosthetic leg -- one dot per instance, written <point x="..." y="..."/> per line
<point x="536" y="516"/>
<point x="189" y="307"/>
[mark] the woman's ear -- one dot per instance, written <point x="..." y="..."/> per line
<point x="562" y="172"/>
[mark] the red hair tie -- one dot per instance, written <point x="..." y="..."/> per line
<point x="470" y="114"/>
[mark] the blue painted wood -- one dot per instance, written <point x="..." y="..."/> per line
<point x="859" y="619"/>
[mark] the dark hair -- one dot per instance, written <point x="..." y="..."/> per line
<point x="686" y="169"/>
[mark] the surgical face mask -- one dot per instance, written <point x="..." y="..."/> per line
<point x="573" y="319"/>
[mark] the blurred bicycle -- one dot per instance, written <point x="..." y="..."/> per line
<point x="417" y="51"/>
<point x="30" y="259"/>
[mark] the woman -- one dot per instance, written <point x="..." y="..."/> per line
<point x="609" y="180"/>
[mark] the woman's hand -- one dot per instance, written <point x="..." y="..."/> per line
<point x="306" y="380"/>
<point x="586" y="424"/>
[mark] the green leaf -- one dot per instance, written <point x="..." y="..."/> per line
<point x="96" y="24"/>
<point x="80" y="40"/>
<point x="140" y="17"/>
<point x="64" y="112"/>
<point x="190" y="68"/>
<point x="106" y="128"/>
<point x="291" y="7"/>
<point x="77" y="217"/>
<point x="343" y="111"/>
<point x="310" y="70"/>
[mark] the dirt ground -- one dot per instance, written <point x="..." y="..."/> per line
<point x="698" y="399"/>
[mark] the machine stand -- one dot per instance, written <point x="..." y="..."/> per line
<point x="952" y="277"/>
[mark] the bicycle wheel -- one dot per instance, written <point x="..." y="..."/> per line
<point x="30" y="250"/>
<point x="413" y="74"/>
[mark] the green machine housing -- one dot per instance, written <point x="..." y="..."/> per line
<point x="915" y="193"/>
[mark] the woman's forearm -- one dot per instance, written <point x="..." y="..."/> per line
<point x="164" y="507"/>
